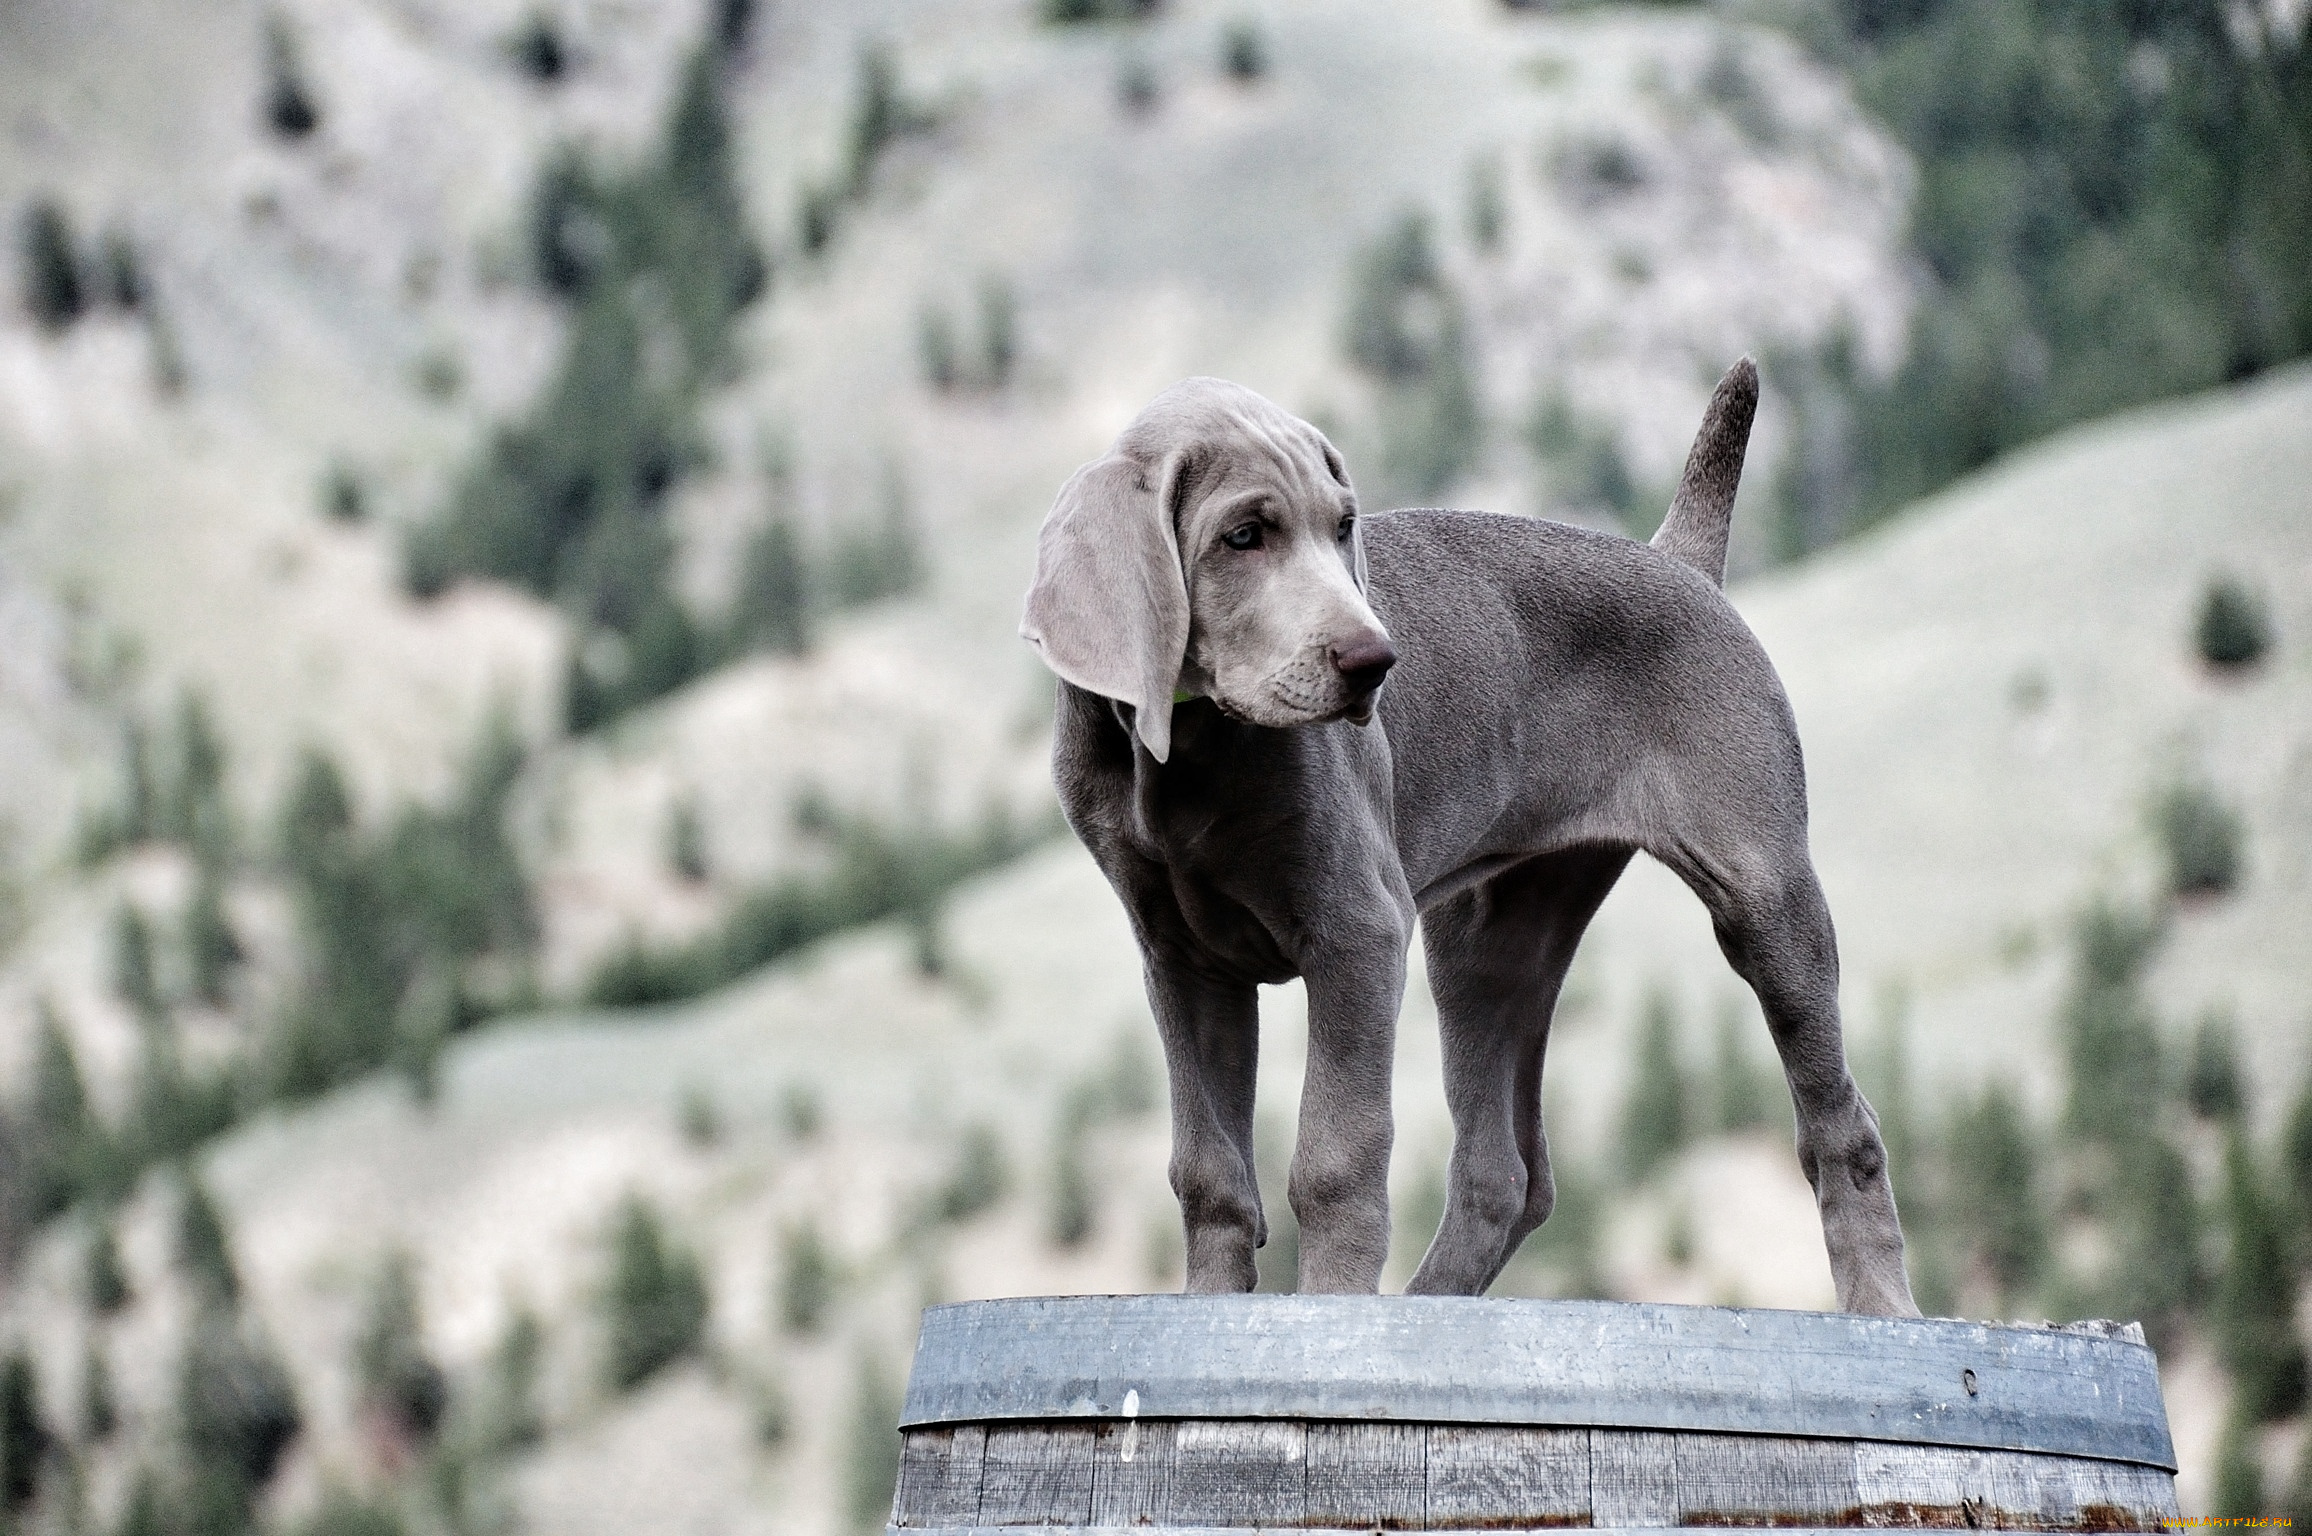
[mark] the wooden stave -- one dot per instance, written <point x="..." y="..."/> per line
<point x="1056" y="1475"/>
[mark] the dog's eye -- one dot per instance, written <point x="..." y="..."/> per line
<point x="1245" y="537"/>
<point x="1348" y="526"/>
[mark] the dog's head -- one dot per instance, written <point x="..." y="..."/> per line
<point x="1214" y="550"/>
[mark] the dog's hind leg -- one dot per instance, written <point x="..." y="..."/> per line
<point x="1775" y="929"/>
<point x="1211" y="1033"/>
<point x="1498" y="955"/>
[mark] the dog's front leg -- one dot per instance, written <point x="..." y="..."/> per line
<point x="1340" y="1165"/>
<point x="1211" y="1032"/>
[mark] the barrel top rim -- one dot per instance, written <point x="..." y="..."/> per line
<point x="2083" y="1389"/>
<point x="2107" y="1329"/>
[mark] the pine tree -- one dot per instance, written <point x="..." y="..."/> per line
<point x="2296" y="1503"/>
<point x="878" y="116"/>
<point x="538" y="50"/>
<point x="2296" y="1172"/>
<point x="211" y="946"/>
<point x="290" y="110"/>
<point x="2239" y="1490"/>
<point x="171" y="1111"/>
<point x="63" y="1139"/>
<point x="236" y="1413"/>
<point x="1656" y="1117"/>
<point x="999" y="342"/>
<point x="2110" y="1040"/>
<point x="398" y="1381"/>
<point x="2255" y="1305"/>
<point x="1487" y="211"/>
<point x="392" y="921"/>
<point x="1243" y="51"/>
<point x="772" y="611"/>
<point x="884" y="559"/>
<point x="140" y="798"/>
<point x="99" y="1408"/>
<point x="935" y="347"/>
<point x="2202" y="837"/>
<point x="122" y="272"/>
<point x="317" y="820"/>
<point x="733" y="20"/>
<point x="133" y="976"/>
<point x="802" y="1114"/>
<point x="1069" y="1218"/>
<point x="925" y="917"/>
<point x="2157" y="1276"/>
<point x="698" y="1117"/>
<point x="774" y="1413"/>
<point x="1996" y="1188"/>
<point x="1895" y="1101"/>
<point x="1573" y="1239"/>
<point x="1405" y="329"/>
<point x="686" y="839"/>
<point x="24" y="1436"/>
<point x="871" y="1459"/>
<point x="204" y="1252"/>
<point x="343" y="496"/>
<point x="53" y="292"/>
<point x="196" y="813"/>
<point x="657" y="1298"/>
<point x="806" y="1279"/>
<point x="143" y="1513"/>
<point x="2233" y="629"/>
<point x="423" y="1022"/>
<point x="513" y="1421"/>
<point x="104" y="1282"/>
<point x="702" y="246"/>
<point x="980" y="1179"/>
<point x="2212" y="1082"/>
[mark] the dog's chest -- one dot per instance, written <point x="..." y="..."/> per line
<point x="1258" y="865"/>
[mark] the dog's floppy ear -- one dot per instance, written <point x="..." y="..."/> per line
<point x="1108" y="609"/>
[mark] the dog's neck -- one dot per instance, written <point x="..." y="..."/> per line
<point x="1194" y="720"/>
<point x="1191" y="727"/>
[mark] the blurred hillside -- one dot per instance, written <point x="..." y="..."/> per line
<point x="523" y="785"/>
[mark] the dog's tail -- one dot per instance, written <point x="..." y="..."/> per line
<point x="1703" y="509"/>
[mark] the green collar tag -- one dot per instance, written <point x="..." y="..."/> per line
<point x="1181" y="695"/>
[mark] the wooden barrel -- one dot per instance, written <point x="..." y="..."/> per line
<point x="1367" y="1413"/>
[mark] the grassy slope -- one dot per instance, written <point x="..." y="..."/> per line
<point x="286" y="272"/>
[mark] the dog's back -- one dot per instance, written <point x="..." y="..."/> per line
<point x="1554" y="682"/>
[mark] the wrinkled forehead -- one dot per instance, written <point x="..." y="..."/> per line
<point x="1236" y="440"/>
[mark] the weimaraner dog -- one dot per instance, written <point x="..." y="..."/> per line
<point x="1222" y="618"/>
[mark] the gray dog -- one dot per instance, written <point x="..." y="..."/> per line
<point x="1222" y="619"/>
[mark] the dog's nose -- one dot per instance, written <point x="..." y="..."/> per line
<point x="1365" y="661"/>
